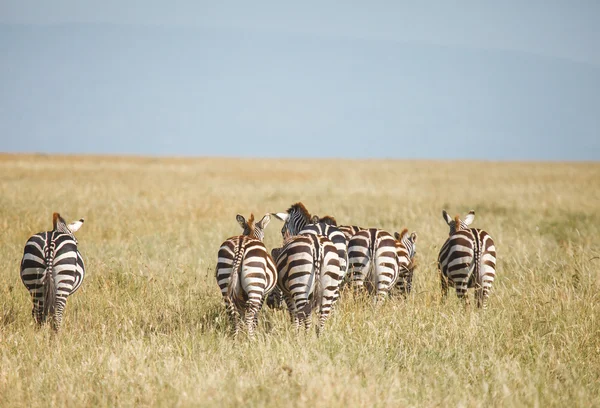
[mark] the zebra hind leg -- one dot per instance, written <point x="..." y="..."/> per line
<point x="234" y="317"/>
<point x="461" y="292"/>
<point x="251" y="316"/>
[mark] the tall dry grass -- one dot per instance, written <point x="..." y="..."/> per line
<point x="148" y="326"/>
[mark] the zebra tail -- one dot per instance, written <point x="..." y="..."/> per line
<point x="477" y="270"/>
<point x="316" y="269"/>
<point x="49" y="291"/>
<point x="233" y="280"/>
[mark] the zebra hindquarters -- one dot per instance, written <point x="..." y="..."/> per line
<point x="330" y="278"/>
<point x="359" y="258"/>
<point x="385" y="268"/>
<point x="253" y="284"/>
<point x="487" y="269"/>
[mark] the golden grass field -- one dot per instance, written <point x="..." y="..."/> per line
<point x="148" y="326"/>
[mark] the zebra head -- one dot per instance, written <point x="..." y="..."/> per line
<point x="329" y="220"/>
<point x="251" y="229"/>
<point x="60" y="225"/>
<point x="457" y="224"/>
<point x="406" y="249"/>
<point x="294" y="220"/>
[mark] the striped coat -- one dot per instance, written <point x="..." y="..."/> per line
<point x="245" y="273"/>
<point x="467" y="259"/>
<point x="308" y="277"/>
<point x="405" y="254"/>
<point x="373" y="262"/>
<point x="52" y="269"/>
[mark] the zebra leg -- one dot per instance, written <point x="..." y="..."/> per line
<point x="234" y="316"/>
<point x="260" y="306"/>
<point x="252" y="308"/>
<point x="307" y="322"/>
<point x="479" y="294"/>
<point x="38" y="312"/>
<point x="461" y="291"/>
<point x="59" y="309"/>
<point x="444" y="284"/>
<point x="292" y="310"/>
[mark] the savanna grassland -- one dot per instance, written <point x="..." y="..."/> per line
<point x="148" y="326"/>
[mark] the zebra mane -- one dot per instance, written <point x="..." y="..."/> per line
<point x="59" y="224"/>
<point x="327" y="219"/>
<point x="457" y="224"/>
<point x="250" y="223"/>
<point x="300" y="209"/>
<point x="404" y="231"/>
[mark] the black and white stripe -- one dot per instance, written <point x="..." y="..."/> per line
<point x="350" y="230"/>
<point x="245" y="273"/>
<point x="308" y="277"/>
<point x="297" y="221"/>
<point x="405" y="251"/>
<point x="373" y="261"/>
<point x="52" y="269"/>
<point x="467" y="259"/>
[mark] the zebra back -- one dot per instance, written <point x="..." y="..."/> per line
<point x="350" y="230"/>
<point x="336" y="236"/>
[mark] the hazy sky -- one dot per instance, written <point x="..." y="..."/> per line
<point x="485" y="80"/>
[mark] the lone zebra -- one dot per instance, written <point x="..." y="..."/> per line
<point x="246" y="273"/>
<point x="52" y="269"/>
<point x="308" y="277"/>
<point x="467" y="259"/>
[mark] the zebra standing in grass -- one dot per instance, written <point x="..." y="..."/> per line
<point x="467" y="259"/>
<point x="246" y="272"/>
<point x="52" y="269"/>
<point x="373" y="259"/>
<point x="308" y="277"/>
<point x="297" y="221"/>
<point x="405" y="254"/>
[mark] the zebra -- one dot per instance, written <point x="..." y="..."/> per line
<point x="467" y="259"/>
<point x="245" y="272"/>
<point x="350" y="230"/>
<point x="308" y="277"/>
<point x="405" y="253"/>
<point x="373" y="257"/>
<point x="52" y="269"/>
<point x="298" y="221"/>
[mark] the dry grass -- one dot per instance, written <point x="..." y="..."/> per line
<point x="148" y="326"/>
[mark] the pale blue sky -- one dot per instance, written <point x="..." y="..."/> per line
<point x="482" y="80"/>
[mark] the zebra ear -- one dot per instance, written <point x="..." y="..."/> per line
<point x="241" y="220"/>
<point x="413" y="237"/>
<point x="74" y="226"/>
<point x="470" y="217"/>
<point x="447" y="218"/>
<point x="281" y="216"/>
<point x="264" y="221"/>
<point x="315" y="219"/>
